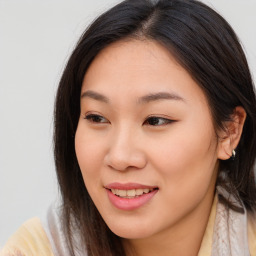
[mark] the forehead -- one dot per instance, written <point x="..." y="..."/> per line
<point x="135" y="68"/>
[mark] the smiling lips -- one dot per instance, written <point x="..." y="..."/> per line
<point x="131" y="193"/>
<point x="129" y="196"/>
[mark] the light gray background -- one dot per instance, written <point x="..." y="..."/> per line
<point x="36" y="38"/>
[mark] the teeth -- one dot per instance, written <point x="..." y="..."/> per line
<point x="131" y="192"/>
<point x="122" y="193"/>
<point x="139" y="192"/>
<point x="146" y="190"/>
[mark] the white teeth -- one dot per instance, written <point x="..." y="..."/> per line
<point x="122" y="193"/>
<point x="131" y="192"/>
<point x="146" y="190"/>
<point x="139" y="192"/>
<point x="113" y="191"/>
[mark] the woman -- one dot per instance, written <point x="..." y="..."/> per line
<point x="155" y="121"/>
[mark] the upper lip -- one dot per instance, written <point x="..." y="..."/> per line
<point x="128" y="186"/>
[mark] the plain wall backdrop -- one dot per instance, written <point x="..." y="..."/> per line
<point x="36" y="38"/>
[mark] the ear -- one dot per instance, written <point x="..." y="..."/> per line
<point x="230" y="136"/>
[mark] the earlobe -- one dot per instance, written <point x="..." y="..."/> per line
<point x="224" y="148"/>
<point x="230" y="137"/>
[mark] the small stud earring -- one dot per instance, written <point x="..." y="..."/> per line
<point x="233" y="154"/>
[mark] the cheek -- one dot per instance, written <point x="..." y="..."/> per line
<point x="89" y="152"/>
<point x="187" y="155"/>
<point x="187" y="166"/>
<point x="88" y="156"/>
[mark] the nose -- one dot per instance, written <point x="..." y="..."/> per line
<point x="125" y="151"/>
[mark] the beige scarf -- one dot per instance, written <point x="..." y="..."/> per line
<point x="230" y="236"/>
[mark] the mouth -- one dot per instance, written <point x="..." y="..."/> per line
<point x="130" y="196"/>
<point x="131" y="193"/>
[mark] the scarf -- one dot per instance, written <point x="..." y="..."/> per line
<point x="230" y="236"/>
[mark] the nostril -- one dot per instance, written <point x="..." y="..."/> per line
<point x="124" y="160"/>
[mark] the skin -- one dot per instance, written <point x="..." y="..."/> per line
<point x="118" y="141"/>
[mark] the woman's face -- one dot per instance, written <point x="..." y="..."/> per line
<point x="145" y="141"/>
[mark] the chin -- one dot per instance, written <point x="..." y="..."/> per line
<point x="128" y="231"/>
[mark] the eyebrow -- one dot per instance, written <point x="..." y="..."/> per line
<point x="160" y="96"/>
<point x="95" y="96"/>
<point x="144" y="99"/>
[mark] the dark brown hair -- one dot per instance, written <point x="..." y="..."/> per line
<point x="207" y="47"/>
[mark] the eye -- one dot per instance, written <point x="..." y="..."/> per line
<point x="93" y="118"/>
<point x="157" y="121"/>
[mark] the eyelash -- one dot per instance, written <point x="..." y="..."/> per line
<point x="155" y="119"/>
<point x="151" y="121"/>
<point x="93" y="118"/>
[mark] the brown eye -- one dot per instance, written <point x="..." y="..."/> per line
<point x="96" y="118"/>
<point x="157" y="121"/>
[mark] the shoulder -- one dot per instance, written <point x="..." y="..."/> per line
<point x="30" y="239"/>
<point x="43" y="236"/>
<point x="53" y="224"/>
<point x="252" y="233"/>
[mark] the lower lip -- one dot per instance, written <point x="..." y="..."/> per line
<point x="129" y="204"/>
